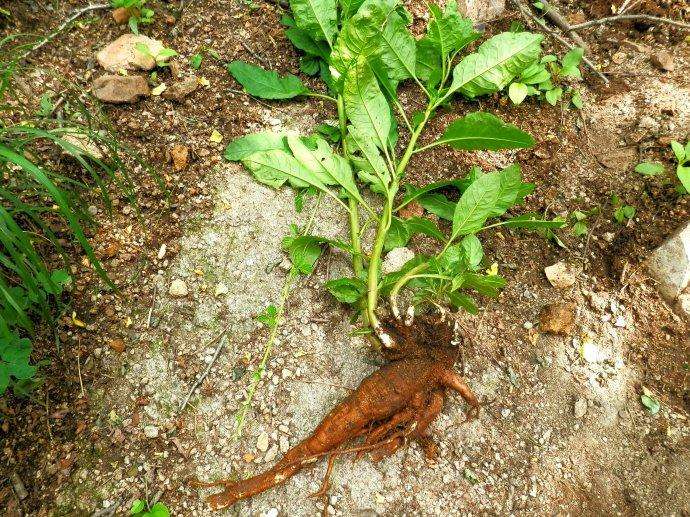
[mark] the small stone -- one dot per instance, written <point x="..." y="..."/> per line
<point x="93" y="210"/>
<point x="122" y="54"/>
<point x="271" y="454"/>
<point x="669" y="264"/>
<point x="180" y="157"/>
<point x="118" y="345"/>
<point x="162" y="251"/>
<point x="558" y="318"/>
<point x="684" y="305"/>
<point x="481" y="10"/>
<point x="221" y="289"/>
<point x="561" y="275"/>
<point x="619" y="57"/>
<point x="284" y="444"/>
<point x="580" y="408"/>
<point x="273" y="512"/>
<point x="648" y="124"/>
<point x="178" y="288"/>
<point x="248" y="457"/>
<point x="121" y="15"/>
<point x="179" y="90"/>
<point x="396" y="259"/>
<point x="663" y="61"/>
<point x="590" y="351"/>
<point x="620" y="321"/>
<point x="262" y="442"/>
<point x="119" y="89"/>
<point x="527" y="325"/>
<point x="151" y="431"/>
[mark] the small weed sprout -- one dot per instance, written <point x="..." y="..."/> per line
<point x="139" y="13"/>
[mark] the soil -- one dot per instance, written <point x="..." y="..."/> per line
<point x="560" y="431"/>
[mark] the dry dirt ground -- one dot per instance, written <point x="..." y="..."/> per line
<point x="561" y="432"/>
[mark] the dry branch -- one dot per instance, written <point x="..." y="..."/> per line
<point x="556" y="17"/>
<point x="629" y="17"/>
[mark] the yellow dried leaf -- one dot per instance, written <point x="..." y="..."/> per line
<point x="203" y="81"/>
<point x="493" y="270"/>
<point x="159" y="89"/>
<point x="76" y="321"/>
<point x="216" y="137"/>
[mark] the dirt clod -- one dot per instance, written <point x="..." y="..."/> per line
<point x="558" y="318"/>
<point x="118" y="89"/>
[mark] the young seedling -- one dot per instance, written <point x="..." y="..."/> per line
<point x="546" y="79"/>
<point x="682" y="155"/>
<point x="140" y="508"/>
<point x="363" y="55"/>
<point x="622" y="213"/>
<point x="161" y="58"/>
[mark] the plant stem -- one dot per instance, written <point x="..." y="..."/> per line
<point x="322" y="96"/>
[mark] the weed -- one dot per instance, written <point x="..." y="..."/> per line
<point x="139" y="13"/>
<point x="682" y="155"/>
<point x="141" y="508"/>
<point x="362" y="52"/>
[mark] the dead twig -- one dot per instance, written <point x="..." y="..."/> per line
<point x="201" y="377"/>
<point x="628" y="17"/>
<point x="255" y="55"/>
<point x="526" y="12"/>
<point x="75" y="15"/>
<point x="552" y="13"/>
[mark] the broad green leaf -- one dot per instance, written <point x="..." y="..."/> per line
<point x="397" y="236"/>
<point x="360" y="36"/>
<point x="365" y="105"/>
<point x="484" y="131"/>
<point x="462" y="301"/>
<point x="266" y="84"/>
<point x="472" y="251"/>
<point x="269" y="317"/>
<point x="651" y="403"/>
<point x="439" y="205"/>
<point x="684" y="176"/>
<point x="329" y="132"/>
<point x="553" y="96"/>
<point x="275" y="167"/>
<point x="366" y="157"/>
<point x="346" y="290"/>
<point x="304" y="251"/>
<point x="576" y="99"/>
<point x="388" y="86"/>
<point x="303" y="41"/>
<point x="424" y="226"/>
<point x="159" y="510"/>
<point x="428" y="64"/>
<point x="511" y="190"/>
<point x="517" y="92"/>
<point x="397" y="49"/>
<point x="649" y="168"/>
<point x="535" y="74"/>
<point x="449" y="31"/>
<point x="571" y="63"/>
<point x="330" y="168"/>
<point x="349" y="7"/>
<point x="309" y="65"/>
<point x="488" y="285"/>
<point x="319" y="18"/>
<point x="137" y="506"/>
<point x="496" y="63"/>
<point x="242" y="147"/>
<point x="412" y="192"/>
<point x="476" y="204"/>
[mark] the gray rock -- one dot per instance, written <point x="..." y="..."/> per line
<point x="561" y="275"/>
<point x="262" y="442"/>
<point x="396" y="259"/>
<point x="123" y="53"/>
<point x="151" y="431"/>
<point x="118" y="89"/>
<point x="580" y="408"/>
<point x="663" y="61"/>
<point x="482" y="10"/>
<point x="178" y="91"/>
<point x="669" y="264"/>
<point x="684" y="305"/>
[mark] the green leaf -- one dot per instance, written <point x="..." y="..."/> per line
<point x="244" y="146"/>
<point x="266" y="84"/>
<point x="553" y="96"/>
<point x="304" y="251"/>
<point x="275" y="167"/>
<point x="366" y="157"/>
<point x="329" y="132"/>
<point x="484" y="131"/>
<point x="195" y="61"/>
<point x="511" y="191"/>
<point x="532" y="222"/>
<point x="463" y="301"/>
<point x="649" y="168"/>
<point x="488" y="285"/>
<point x="349" y="8"/>
<point x="412" y="192"/>
<point x="303" y="41"/>
<point x="159" y="510"/>
<point x="309" y="65"/>
<point x="319" y="18"/>
<point x="137" y="506"/>
<point x="269" y="317"/>
<point x="496" y="63"/>
<point x="449" y="31"/>
<point x="580" y="229"/>
<point x="398" y="235"/>
<point x="428" y="62"/>
<point x="328" y="167"/>
<point x="472" y="251"/>
<point x="439" y="205"/>
<point x="684" y="177"/>
<point x="571" y="62"/>
<point x="679" y="151"/>
<point x="517" y="92"/>
<point x="651" y="403"/>
<point x="346" y="290"/>
<point x="365" y="105"/>
<point x="4" y="378"/>
<point x="476" y="204"/>
<point x="424" y="226"/>
<point x="397" y="50"/>
<point x="576" y="99"/>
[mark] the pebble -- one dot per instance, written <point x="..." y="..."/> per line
<point x="123" y="53"/>
<point x="580" y="408"/>
<point x="271" y="454"/>
<point x="561" y="275"/>
<point x="262" y="442"/>
<point x="178" y="288"/>
<point x="284" y="444"/>
<point x="118" y="89"/>
<point x="162" y="251"/>
<point x="151" y="431"/>
<point x="620" y="322"/>
<point x="221" y="289"/>
<point x="180" y="90"/>
<point x="663" y="61"/>
<point x="558" y="318"/>
<point x="273" y="512"/>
